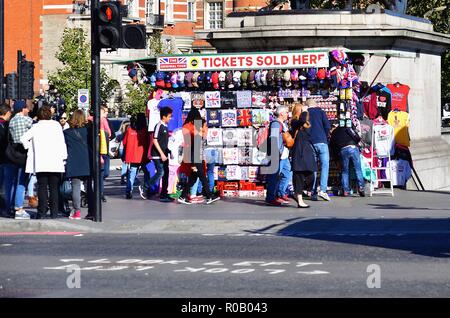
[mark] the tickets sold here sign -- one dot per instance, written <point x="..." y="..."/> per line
<point x="267" y="60"/>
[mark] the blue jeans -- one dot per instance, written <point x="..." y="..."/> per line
<point x="324" y="157"/>
<point x="132" y="177"/>
<point x="162" y="172"/>
<point x="7" y="187"/>
<point x="351" y="154"/>
<point x="31" y="182"/>
<point x="14" y="185"/>
<point x="273" y="182"/>
<point x="285" y="176"/>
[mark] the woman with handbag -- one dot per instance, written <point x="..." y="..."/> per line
<point x="77" y="166"/>
<point x="302" y="153"/>
<point x="46" y="157"/>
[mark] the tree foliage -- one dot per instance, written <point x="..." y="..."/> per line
<point x="136" y="98"/>
<point x="74" y="53"/>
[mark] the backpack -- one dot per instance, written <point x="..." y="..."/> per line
<point x="262" y="138"/>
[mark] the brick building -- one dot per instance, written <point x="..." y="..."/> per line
<point x="36" y="28"/>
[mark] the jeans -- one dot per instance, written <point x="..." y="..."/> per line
<point x="162" y="172"/>
<point x="76" y="193"/>
<point x="32" y="181"/>
<point x="132" y="177"/>
<point x="124" y="169"/>
<point x="15" y="180"/>
<point x="351" y="154"/>
<point x="324" y="157"/>
<point x="46" y="181"/>
<point x="7" y="175"/>
<point x="104" y="173"/>
<point x="285" y="176"/>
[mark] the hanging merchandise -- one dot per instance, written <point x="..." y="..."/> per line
<point x="399" y="120"/>
<point x="212" y="99"/>
<point x="400" y="93"/>
<point x="176" y="104"/>
<point x="259" y="99"/>
<point x="230" y="156"/>
<point x="228" y="99"/>
<point x="214" y="118"/>
<point x="230" y="137"/>
<point x="229" y="118"/>
<point x="244" y="117"/>
<point x="198" y="100"/>
<point x="244" y="99"/>
<point x="214" y="137"/>
<point x="245" y="137"/>
<point x="383" y="138"/>
<point x="399" y="171"/>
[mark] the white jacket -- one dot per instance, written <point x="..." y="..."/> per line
<point x="46" y="146"/>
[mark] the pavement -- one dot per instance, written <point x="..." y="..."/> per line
<point x="408" y="212"/>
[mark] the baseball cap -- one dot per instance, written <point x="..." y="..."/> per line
<point x="229" y="79"/>
<point x="287" y="78"/>
<point x="195" y="79"/>
<point x="258" y="78"/>
<point x="322" y="74"/>
<point x="237" y="78"/>
<point x="19" y="105"/>
<point x="215" y="80"/>
<point x="264" y="77"/>
<point x="180" y="79"/>
<point x="251" y="78"/>
<point x="188" y="79"/>
<point x="244" y="78"/>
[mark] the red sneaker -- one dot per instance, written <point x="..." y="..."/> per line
<point x="273" y="203"/>
<point x="75" y="215"/>
<point x="283" y="200"/>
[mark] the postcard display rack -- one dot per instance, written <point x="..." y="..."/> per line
<point x="235" y="109"/>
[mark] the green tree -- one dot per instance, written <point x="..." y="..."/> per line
<point x="74" y="53"/>
<point x="136" y="98"/>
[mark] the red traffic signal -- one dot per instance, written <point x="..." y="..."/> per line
<point x="109" y="23"/>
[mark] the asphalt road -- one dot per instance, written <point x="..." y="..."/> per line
<point x="224" y="265"/>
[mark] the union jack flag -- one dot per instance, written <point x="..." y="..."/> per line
<point x="212" y="99"/>
<point x="167" y="63"/>
<point x="244" y="117"/>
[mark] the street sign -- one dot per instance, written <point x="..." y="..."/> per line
<point x="83" y="98"/>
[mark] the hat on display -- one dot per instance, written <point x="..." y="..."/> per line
<point x="258" y="78"/>
<point x="215" y="80"/>
<point x="237" y="78"/>
<point x="160" y="83"/>
<point x="188" y="79"/>
<point x="174" y="80"/>
<point x="229" y="80"/>
<point x="244" y="79"/>
<point x="195" y="79"/>
<point x="180" y="79"/>
<point x="264" y="77"/>
<point x="160" y="76"/>
<point x="339" y="56"/>
<point x="201" y="79"/>
<point x="321" y="74"/>
<point x="251" y="79"/>
<point x="271" y="77"/>
<point x="287" y="78"/>
<point x="312" y="74"/>
<point x="222" y="79"/>
<point x="279" y="77"/>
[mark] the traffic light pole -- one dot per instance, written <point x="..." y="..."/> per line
<point x="95" y="94"/>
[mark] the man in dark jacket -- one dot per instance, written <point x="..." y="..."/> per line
<point x="344" y="144"/>
<point x="5" y="116"/>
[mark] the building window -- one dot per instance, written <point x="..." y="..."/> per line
<point x="215" y="15"/>
<point x="169" y="11"/>
<point x="191" y="10"/>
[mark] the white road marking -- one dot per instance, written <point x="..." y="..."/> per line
<point x="6" y="245"/>
<point x="316" y="272"/>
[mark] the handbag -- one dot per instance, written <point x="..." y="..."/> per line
<point x="66" y="189"/>
<point x="288" y="140"/>
<point x="15" y="152"/>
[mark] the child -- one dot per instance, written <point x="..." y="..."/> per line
<point x="160" y="153"/>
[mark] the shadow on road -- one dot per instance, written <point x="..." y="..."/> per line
<point x="427" y="237"/>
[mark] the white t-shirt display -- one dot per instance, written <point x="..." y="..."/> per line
<point x="401" y="172"/>
<point x="154" y="116"/>
<point x="384" y="139"/>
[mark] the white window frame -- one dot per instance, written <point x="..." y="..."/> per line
<point x="168" y="11"/>
<point x="194" y="10"/>
<point x="133" y="8"/>
<point x="151" y="7"/>
<point x="206" y="17"/>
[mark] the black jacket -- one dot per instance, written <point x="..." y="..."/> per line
<point x="78" y="159"/>
<point x="302" y="153"/>
<point x="342" y="137"/>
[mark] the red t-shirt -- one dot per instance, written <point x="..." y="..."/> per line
<point x="399" y="95"/>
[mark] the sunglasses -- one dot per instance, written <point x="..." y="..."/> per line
<point x="64" y="118"/>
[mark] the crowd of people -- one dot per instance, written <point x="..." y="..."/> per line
<point x="302" y="134"/>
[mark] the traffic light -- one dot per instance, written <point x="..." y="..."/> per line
<point x="134" y="36"/>
<point x="26" y="79"/>
<point x="108" y="20"/>
<point x="12" y="86"/>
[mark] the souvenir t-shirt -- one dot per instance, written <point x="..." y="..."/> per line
<point x="153" y="114"/>
<point x="366" y="130"/>
<point x="401" y="172"/>
<point x="259" y="99"/>
<point x="230" y="156"/>
<point x="245" y="137"/>
<point x="214" y="137"/>
<point x="233" y="172"/>
<point x="162" y="135"/>
<point x="214" y="118"/>
<point x="244" y="173"/>
<point x="230" y="137"/>
<point x="244" y="117"/>
<point x="384" y="139"/>
<point x="382" y="101"/>
<point x="229" y="118"/>
<point x="228" y="99"/>
<point x="245" y="156"/>
<point x="252" y="173"/>
<point x="400" y="122"/>
<point x="212" y="99"/>
<point x="399" y="93"/>
<point x="244" y="99"/>
<point x="176" y="104"/>
<point x="176" y="147"/>
<point x="260" y="117"/>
